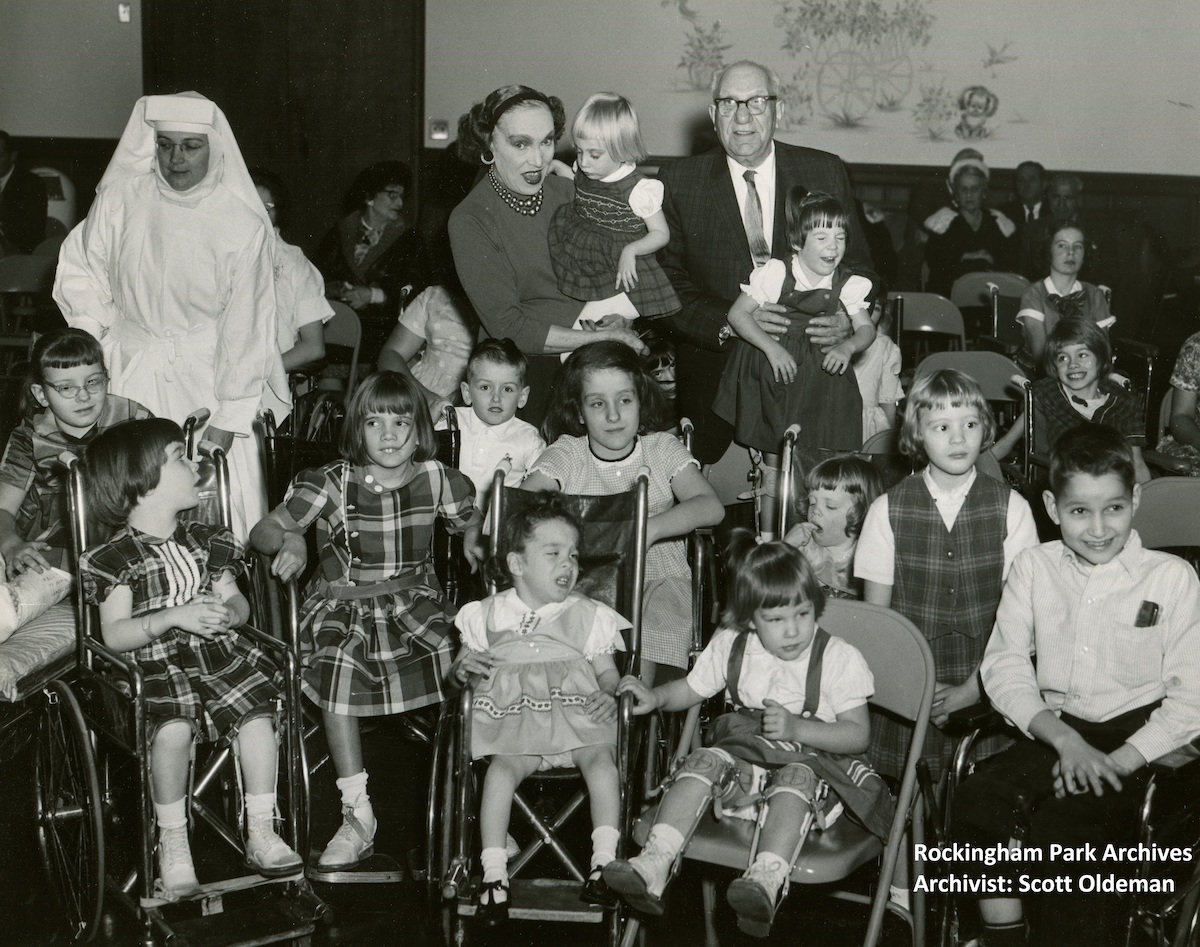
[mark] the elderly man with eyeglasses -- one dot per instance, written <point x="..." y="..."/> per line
<point x="726" y="213"/>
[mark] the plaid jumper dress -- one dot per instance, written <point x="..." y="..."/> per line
<point x="376" y="631"/>
<point x="948" y="584"/>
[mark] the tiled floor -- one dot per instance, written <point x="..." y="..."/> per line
<point x="392" y="914"/>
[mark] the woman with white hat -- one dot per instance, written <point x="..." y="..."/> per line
<point x="172" y="270"/>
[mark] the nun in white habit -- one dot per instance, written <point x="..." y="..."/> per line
<point x="173" y="272"/>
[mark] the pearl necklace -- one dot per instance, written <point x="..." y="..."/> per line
<point x="527" y="206"/>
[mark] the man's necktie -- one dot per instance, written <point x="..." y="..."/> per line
<point x="1068" y="305"/>
<point x="754" y="223"/>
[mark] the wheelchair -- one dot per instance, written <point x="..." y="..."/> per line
<point x="612" y="570"/>
<point x="108" y="755"/>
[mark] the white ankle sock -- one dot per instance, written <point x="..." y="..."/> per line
<point x="171" y="815"/>
<point x="354" y="789"/>
<point x="604" y="845"/>
<point x="494" y="862"/>
<point x="665" y="839"/>
<point x="775" y="864"/>
<point x="260" y="805"/>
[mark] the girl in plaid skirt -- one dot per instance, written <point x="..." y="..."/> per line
<point x="167" y="592"/>
<point x="376" y="631"/>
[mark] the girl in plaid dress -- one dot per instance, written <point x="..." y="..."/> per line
<point x="605" y="240"/>
<point x="167" y="592"/>
<point x="609" y="415"/>
<point x="376" y="626"/>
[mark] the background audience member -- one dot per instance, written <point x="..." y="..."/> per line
<point x="1028" y="205"/>
<point x="500" y="238"/>
<point x="1064" y="200"/>
<point x="1183" y="439"/>
<point x="22" y="203"/>
<point x="173" y="271"/>
<point x="299" y="290"/>
<point x="966" y="237"/>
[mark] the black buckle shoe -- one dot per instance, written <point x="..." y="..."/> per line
<point x="491" y="911"/>
<point x="596" y="891"/>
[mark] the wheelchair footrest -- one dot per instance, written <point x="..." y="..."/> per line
<point x="540" y="899"/>
<point x="268" y="922"/>
<point x="218" y="889"/>
<point x="377" y="870"/>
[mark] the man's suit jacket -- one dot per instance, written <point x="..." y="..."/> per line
<point x="22" y="212"/>
<point x="708" y="258"/>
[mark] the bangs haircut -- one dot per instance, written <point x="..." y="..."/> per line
<point x="124" y="463"/>
<point x="66" y="348"/>
<point x="498" y="352"/>
<point x="809" y="211"/>
<point x="520" y="526"/>
<point x="610" y="119"/>
<point x="858" y="477"/>
<point x="766" y="575"/>
<point x="947" y="388"/>
<point x="566" y="412"/>
<point x="1093" y="449"/>
<point x="386" y="393"/>
<point x="1077" y="330"/>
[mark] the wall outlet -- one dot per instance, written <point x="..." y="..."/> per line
<point x="439" y="129"/>
<point x="125" y="12"/>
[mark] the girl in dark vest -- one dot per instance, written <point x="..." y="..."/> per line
<point x="936" y="548"/>
<point x="799" y="730"/>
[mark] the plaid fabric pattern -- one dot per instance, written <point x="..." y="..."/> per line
<point x="667" y="609"/>
<point x="1053" y="415"/>
<point x="216" y="682"/>
<point x="586" y="240"/>
<point x="948" y="583"/>
<point x="31" y="464"/>
<point x="388" y="653"/>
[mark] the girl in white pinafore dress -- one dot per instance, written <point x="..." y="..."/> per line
<point x="546" y="696"/>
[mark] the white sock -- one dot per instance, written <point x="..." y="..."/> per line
<point x="260" y="805"/>
<point x="901" y="897"/>
<point x="494" y="862"/>
<point x="604" y="845"/>
<point x="665" y="839"/>
<point x="354" y="794"/>
<point x="171" y="815"/>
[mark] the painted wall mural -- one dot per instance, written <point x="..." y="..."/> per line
<point x="1096" y="85"/>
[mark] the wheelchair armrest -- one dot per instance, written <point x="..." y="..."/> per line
<point x="264" y="641"/>
<point x="989" y="343"/>
<point x="1172" y="466"/>
<point x="1145" y="350"/>
<point x="128" y="668"/>
<point x="979" y="716"/>
<point x="1040" y="460"/>
<point x="1177" y="759"/>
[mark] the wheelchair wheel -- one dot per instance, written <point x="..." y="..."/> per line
<point x="69" y="811"/>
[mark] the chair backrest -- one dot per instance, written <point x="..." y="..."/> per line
<point x="929" y="312"/>
<point x="895" y="650"/>
<point x="972" y="289"/>
<point x="991" y="371"/>
<point x="26" y="274"/>
<point x="345" y="330"/>
<point x="49" y="247"/>
<point x="612" y="556"/>
<point x="1168" y="515"/>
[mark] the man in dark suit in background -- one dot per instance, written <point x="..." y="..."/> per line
<point x="1028" y="206"/>
<point x="711" y="208"/>
<point x="22" y="203"/>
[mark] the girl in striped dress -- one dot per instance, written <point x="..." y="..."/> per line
<point x="376" y="631"/>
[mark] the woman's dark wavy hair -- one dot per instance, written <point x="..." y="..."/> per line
<point x="386" y="393"/>
<point x="566" y="412"/>
<point x="123" y="464"/>
<point x="280" y="195"/>
<point x="519" y="528"/>
<point x="66" y="348"/>
<point x="476" y="126"/>
<point x="766" y="575"/>
<point x="378" y="177"/>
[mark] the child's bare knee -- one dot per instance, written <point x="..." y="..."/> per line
<point x="173" y="736"/>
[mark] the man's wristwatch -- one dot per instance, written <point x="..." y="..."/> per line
<point x="725" y="334"/>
